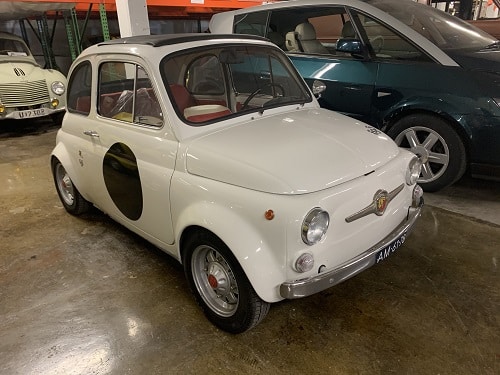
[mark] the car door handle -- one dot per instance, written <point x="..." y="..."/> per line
<point x="91" y="133"/>
<point x="381" y="94"/>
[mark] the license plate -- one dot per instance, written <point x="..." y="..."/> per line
<point x="390" y="249"/>
<point x="30" y="113"/>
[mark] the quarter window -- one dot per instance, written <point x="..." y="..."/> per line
<point x="251" y="23"/>
<point x="79" y="89"/>
<point x="125" y="93"/>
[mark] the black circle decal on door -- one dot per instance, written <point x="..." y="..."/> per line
<point x="122" y="180"/>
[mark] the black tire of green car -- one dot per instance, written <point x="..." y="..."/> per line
<point x="443" y="150"/>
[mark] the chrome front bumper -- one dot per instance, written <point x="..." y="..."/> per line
<point x="317" y="283"/>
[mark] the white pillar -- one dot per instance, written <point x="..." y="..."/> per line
<point x="132" y="17"/>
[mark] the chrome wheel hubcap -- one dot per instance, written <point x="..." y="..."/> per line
<point x="430" y="147"/>
<point x="65" y="185"/>
<point x="215" y="280"/>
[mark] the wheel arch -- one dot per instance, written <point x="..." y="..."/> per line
<point x="60" y="153"/>
<point x="254" y="255"/>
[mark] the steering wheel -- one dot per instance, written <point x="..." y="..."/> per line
<point x="252" y="95"/>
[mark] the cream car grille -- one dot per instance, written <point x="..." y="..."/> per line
<point x="24" y="93"/>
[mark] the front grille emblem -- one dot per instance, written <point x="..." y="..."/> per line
<point x="381" y="200"/>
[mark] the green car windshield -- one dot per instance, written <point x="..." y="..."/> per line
<point x="443" y="29"/>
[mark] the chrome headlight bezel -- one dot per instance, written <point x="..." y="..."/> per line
<point x="413" y="171"/>
<point x="58" y="87"/>
<point x="315" y="226"/>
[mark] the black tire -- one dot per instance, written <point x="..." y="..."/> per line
<point x="69" y="195"/>
<point x="439" y="145"/>
<point x="220" y="286"/>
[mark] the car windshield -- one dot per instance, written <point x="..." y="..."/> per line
<point x="12" y="47"/>
<point x="213" y="83"/>
<point x="441" y="28"/>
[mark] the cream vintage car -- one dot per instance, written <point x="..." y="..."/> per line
<point x="26" y="89"/>
<point x="215" y="150"/>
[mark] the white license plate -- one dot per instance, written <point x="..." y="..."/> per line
<point x="390" y="249"/>
<point x="29" y="113"/>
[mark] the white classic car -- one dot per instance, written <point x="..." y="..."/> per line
<point x="26" y="89"/>
<point x="215" y="150"/>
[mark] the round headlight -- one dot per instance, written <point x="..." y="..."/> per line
<point x="314" y="226"/>
<point x="58" y="87"/>
<point x="413" y="172"/>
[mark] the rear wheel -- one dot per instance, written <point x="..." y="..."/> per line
<point x="70" y="197"/>
<point x="220" y="286"/>
<point x="437" y="144"/>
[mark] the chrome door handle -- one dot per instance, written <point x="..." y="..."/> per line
<point x="91" y="133"/>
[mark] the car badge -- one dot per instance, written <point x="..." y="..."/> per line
<point x="380" y="201"/>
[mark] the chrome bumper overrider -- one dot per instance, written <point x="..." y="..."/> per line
<point x="317" y="283"/>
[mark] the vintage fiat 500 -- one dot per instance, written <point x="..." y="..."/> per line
<point x="27" y="90"/>
<point x="215" y="150"/>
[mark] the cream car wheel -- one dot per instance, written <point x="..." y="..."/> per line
<point x="219" y="284"/>
<point x="71" y="199"/>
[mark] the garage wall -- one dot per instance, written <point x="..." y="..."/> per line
<point x="93" y="34"/>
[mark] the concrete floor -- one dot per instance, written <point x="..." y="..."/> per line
<point x="86" y="296"/>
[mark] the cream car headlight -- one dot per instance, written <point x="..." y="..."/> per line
<point x="58" y="87"/>
<point x="413" y="172"/>
<point x="314" y="226"/>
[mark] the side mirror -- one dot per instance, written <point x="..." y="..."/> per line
<point x="352" y="46"/>
<point x="318" y="88"/>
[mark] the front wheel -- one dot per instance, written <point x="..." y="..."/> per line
<point x="220" y="286"/>
<point x="70" y="197"/>
<point x="437" y="144"/>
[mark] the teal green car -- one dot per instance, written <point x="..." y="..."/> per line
<point x="426" y="78"/>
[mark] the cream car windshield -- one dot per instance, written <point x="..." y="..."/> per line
<point x="12" y="47"/>
<point x="215" y="83"/>
<point x="444" y="30"/>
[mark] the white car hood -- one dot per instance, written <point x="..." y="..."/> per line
<point x="19" y="71"/>
<point x="293" y="153"/>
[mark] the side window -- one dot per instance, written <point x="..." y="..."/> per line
<point x="309" y="30"/>
<point x="79" y="89"/>
<point x="204" y="76"/>
<point x="256" y="24"/>
<point x="125" y="93"/>
<point x="332" y="27"/>
<point x="385" y="43"/>
<point x="147" y="109"/>
<point x="251" y="23"/>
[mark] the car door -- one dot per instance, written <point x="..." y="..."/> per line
<point x="406" y="75"/>
<point x="135" y="151"/>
